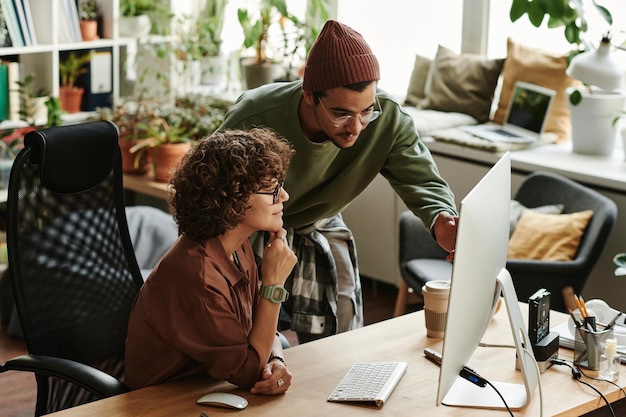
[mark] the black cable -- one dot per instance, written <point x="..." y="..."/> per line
<point x="478" y="380"/>
<point x="594" y="378"/>
<point x="503" y="400"/>
<point x="577" y="373"/>
<point x="605" y="380"/>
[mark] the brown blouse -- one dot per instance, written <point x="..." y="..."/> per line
<point x="193" y="316"/>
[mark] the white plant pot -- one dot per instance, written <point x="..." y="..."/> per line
<point x="594" y="129"/>
<point x="134" y="26"/>
<point x="214" y="70"/>
<point x="188" y="74"/>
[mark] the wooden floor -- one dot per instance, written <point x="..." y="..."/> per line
<point x="17" y="389"/>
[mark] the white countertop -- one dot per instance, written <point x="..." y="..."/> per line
<point x="600" y="171"/>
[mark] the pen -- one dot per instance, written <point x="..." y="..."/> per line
<point x="612" y="322"/>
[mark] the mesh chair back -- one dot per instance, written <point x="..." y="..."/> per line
<point x="73" y="269"/>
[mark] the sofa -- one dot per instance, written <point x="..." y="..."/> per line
<point x="452" y="89"/>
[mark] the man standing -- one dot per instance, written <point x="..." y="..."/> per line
<point x="345" y="132"/>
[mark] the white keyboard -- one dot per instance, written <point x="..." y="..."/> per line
<point x="369" y="382"/>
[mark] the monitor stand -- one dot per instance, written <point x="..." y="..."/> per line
<point x="465" y="394"/>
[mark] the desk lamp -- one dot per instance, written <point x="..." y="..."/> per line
<point x="594" y="110"/>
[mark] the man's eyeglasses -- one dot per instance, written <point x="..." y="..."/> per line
<point x="274" y="193"/>
<point x="363" y="118"/>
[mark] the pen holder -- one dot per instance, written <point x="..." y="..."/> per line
<point x="589" y="347"/>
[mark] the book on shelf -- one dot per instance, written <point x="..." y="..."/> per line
<point x="4" y="92"/>
<point x="13" y="23"/>
<point x="24" y="26"/>
<point x="69" y="27"/>
<point x="28" y="18"/>
<point x="5" y="36"/>
<point x="13" y="72"/>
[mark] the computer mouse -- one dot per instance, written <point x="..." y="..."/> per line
<point x="224" y="400"/>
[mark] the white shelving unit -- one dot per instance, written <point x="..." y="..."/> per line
<point x="43" y="59"/>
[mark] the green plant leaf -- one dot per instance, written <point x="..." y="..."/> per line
<point x="606" y="15"/>
<point x="536" y="13"/>
<point x="518" y="9"/>
<point x="575" y="97"/>
<point x="572" y="33"/>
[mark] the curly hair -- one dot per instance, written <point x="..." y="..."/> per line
<point x="215" y="180"/>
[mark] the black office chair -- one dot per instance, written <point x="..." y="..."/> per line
<point x="73" y="270"/>
<point x="422" y="260"/>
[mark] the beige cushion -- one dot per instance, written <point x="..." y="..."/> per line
<point x="548" y="237"/>
<point x="462" y="83"/>
<point x="416" y="91"/>
<point x="541" y="68"/>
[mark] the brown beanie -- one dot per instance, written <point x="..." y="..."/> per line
<point x="339" y="57"/>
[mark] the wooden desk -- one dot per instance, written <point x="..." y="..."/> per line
<point x="145" y="185"/>
<point x="318" y="366"/>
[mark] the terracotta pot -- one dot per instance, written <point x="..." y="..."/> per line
<point x="70" y="98"/>
<point x="166" y="158"/>
<point x="89" y="30"/>
<point x="134" y="163"/>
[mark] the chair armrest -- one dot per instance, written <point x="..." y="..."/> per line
<point x="85" y="376"/>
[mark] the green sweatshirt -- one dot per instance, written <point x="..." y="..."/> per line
<point x="323" y="179"/>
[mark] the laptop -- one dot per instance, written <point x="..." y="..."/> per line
<point x="525" y="117"/>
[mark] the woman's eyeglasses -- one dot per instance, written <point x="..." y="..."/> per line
<point x="274" y="193"/>
<point x="364" y="118"/>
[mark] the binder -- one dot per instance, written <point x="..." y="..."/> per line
<point x="98" y="81"/>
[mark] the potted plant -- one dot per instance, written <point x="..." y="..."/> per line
<point x="73" y="65"/>
<point x="256" y="23"/>
<point x="33" y="109"/>
<point x="88" y="13"/>
<point x="209" y="27"/>
<point x="134" y="19"/>
<point x="130" y="116"/>
<point x="593" y="110"/>
<point x="168" y="139"/>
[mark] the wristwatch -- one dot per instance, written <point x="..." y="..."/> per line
<point x="275" y="293"/>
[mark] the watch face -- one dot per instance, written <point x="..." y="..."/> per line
<point x="274" y="293"/>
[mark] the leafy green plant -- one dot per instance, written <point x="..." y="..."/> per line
<point x="29" y="98"/>
<point x="54" y="112"/>
<point x="209" y="27"/>
<point x="561" y="13"/>
<point x="10" y="147"/>
<point x="88" y="10"/>
<point x="72" y="66"/>
<point x="139" y="7"/>
<point x="255" y="29"/>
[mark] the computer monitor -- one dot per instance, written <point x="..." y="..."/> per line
<point x="479" y="276"/>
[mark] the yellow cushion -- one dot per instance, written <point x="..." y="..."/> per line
<point x="462" y="83"/>
<point x="541" y="68"/>
<point x="548" y="237"/>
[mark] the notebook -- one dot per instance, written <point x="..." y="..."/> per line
<point x="525" y="117"/>
<point x="370" y="382"/>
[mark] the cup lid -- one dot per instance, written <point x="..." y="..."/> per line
<point x="439" y="286"/>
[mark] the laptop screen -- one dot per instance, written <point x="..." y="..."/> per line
<point x="529" y="106"/>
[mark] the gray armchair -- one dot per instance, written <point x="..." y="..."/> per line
<point x="422" y="260"/>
